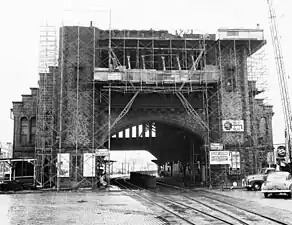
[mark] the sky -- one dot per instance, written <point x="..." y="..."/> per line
<point x="20" y="21"/>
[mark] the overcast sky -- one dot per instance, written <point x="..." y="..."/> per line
<point x="19" y="39"/>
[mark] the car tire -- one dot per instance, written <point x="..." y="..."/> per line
<point x="257" y="186"/>
<point x="266" y="195"/>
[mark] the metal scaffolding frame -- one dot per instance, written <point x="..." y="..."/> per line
<point x="255" y="57"/>
<point x="44" y="174"/>
<point x="74" y="110"/>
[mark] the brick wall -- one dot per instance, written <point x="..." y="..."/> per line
<point x="25" y="109"/>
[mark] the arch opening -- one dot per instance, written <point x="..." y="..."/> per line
<point x="177" y="150"/>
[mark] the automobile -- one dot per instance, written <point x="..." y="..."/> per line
<point x="255" y="181"/>
<point x="277" y="183"/>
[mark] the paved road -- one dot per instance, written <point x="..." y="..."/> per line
<point x="279" y="202"/>
<point x="104" y="208"/>
<point x="52" y="208"/>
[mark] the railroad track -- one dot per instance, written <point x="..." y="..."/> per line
<point x="125" y="185"/>
<point x="225" y="207"/>
<point x="188" y="212"/>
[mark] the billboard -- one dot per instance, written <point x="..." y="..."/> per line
<point x="102" y="152"/>
<point x="89" y="165"/>
<point x="233" y="125"/>
<point x="63" y="164"/>
<point x="235" y="160"/>
<point x="270" y="157"/>
<point x="220" y="157"/>
<point x="216" y="146"/>
<point x="281" y="151"/>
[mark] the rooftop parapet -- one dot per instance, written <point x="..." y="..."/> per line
<point x="241" y="34"/>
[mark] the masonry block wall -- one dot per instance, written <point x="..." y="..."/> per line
<point x="232" y="90"/>
<point x="77" y="107"/>
<point x="77" y="51"/>
<point x="24" y="115"/>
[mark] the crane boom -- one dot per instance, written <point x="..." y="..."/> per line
<point x="282" y="79"/>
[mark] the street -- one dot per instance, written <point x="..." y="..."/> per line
<point x="123" y="207"/>
<point x="279" y="202"/>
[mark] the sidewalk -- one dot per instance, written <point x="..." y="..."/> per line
<point x="77" y="207"/>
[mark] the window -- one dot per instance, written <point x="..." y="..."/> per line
<point x="32" y="130"/>
<point x="263" y="127"/>
<point x="23" y="131"/>
<point x="230" y="76"/>
<point x="232" y="33"/>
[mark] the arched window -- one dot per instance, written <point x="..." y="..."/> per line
<point x="23" y="131"/>
<point x="32" y="130"/>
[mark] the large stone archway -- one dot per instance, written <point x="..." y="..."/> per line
<point x="176" y="118"/>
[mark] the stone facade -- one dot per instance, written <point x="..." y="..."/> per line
<point x="24" y="115"/>
<point x="73" y="110"/>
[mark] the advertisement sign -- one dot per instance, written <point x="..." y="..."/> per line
<point x="88" y="165"/>
<point x="101" y="152"/>
<point x="63" y="165"/>
<point x="235" y="160"/>
<point x="216" y="146"/>
<point x="281" y="151"/>
<point x="233" y="125"/>
<point x="270" y="158"/>
<point x="219" y="158"/>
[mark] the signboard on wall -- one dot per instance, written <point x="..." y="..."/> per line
<point x="270" y="157"/>
<point x="235" y="160"/>
<point x="101" y="152"/>
<point x="220" y="157"/>
<point x="233" y="125"/>
<point x="216" y="146"/>
<point x="63" y="164"/>
<point x="88" y="165"/>
<point x="281" y="151"/>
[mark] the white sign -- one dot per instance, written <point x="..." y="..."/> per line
<point x="270" y="157"/>
<point x="219" y="158"/>
<point x="235" y="160"/>
<point x="88" y="165"/>
<point x="101" y="152"/>
<point x="63" y="164"/>
<point x="233" y="125"/>
<point x="216" y="146"/>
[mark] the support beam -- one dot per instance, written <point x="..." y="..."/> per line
<point x="194" y="67"/>
<point x="178" y="63"/>
<point x="121" y="115"/>
<point x="143" y="62"/>
<point x="129" y="62"/>
<point x="163" y="63"/>
<point x="191" y="110"/>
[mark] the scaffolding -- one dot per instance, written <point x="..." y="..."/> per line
<point x="44" y="155"/>
<point x="241" y="88"/>
<point x="74" y="109"/>
<point x="75" y="119"/>
<point x="261" y="111"/>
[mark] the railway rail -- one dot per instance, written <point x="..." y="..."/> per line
<point x="188" y="208"/>
<point x="125" y="185"/>
<point x="207" y="200"/>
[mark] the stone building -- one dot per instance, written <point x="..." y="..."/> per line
<point x="191" y="81"/>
